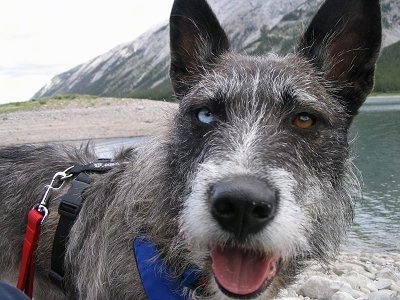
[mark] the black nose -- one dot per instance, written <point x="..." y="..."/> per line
<point x="243" y="205"/>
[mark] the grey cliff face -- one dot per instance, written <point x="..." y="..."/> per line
<point x="140" y="68"/>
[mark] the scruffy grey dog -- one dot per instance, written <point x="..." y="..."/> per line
<point x="252" y="178"/>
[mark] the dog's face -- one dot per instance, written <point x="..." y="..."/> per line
<point x="262" y="143"/>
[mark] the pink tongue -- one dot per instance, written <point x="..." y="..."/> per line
<point x="241" y="272"/>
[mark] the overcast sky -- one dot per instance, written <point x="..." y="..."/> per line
<point x="42" y="38"/>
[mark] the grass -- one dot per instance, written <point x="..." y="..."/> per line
<point x="53" y="102"/>
<point x="89" y="100"/>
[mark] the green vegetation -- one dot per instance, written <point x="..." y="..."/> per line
<point x="161" y="92"/>
<point x="387" y="72"/>
<point x="265" y="42"/>
<point x="52" y="102"/>
<point x="68" y="97"/>
<point x="387" y="77"/>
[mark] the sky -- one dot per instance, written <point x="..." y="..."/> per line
<point x="42" y="38"/>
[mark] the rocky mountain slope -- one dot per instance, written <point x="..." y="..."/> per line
<point x="140" y="68"/>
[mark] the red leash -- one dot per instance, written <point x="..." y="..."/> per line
<point x="36" y="217"/>
<point x="27" y="268"/>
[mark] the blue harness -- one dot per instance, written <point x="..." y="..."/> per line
<point x="156" y="276"/>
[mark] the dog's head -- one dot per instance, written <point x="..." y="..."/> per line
<point x="261" y="143"/>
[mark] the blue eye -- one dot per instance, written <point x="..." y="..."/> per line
<point x="204" y="115"/>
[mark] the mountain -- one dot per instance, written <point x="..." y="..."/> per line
<point x="388" y="70"/>
<point x="140" y="68"/>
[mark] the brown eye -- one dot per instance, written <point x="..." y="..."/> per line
<point x="304" y="121"/>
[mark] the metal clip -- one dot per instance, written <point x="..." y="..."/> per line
<point x="56" y="183"/>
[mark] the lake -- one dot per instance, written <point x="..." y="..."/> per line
<point x="377" y="147"/>
<point x="376" y="131"/>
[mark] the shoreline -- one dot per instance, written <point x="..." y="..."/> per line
<point x="389" y="95"/>
<point x="354" y="274"/>
<point x="84" y="119"/>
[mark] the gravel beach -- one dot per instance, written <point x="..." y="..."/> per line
<point x="83" y="120"/>
<point x="355" y="275"/>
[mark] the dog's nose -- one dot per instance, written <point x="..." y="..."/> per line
<point x="243" y="205"/>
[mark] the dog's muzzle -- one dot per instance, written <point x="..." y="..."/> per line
<point x="242" y="206"/>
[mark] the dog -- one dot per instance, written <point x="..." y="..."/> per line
<point x="252" y="178"/>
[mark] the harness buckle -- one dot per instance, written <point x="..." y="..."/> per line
<point x="56" y="183"/>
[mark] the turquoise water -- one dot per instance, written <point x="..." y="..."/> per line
<point x="376" y="131"/>
<point x="377" y="146"/>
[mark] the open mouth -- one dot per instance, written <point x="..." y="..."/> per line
<point x="243" y="273"/>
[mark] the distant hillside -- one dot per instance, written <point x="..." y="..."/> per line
<point x="140" y="68"/>
<point x="388" y="70"/>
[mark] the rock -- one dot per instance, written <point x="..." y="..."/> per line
<point x="372" y="287"/>
<point x="370" y="269"/>
<point x="370" y="275"/>
<point x="365" y="290"/>
<point x="382" y="284"/>
<point x="384" y="295"/>
<point x="388" y="274"/>
<point x="338" y="270"/>
<point x="395" y="287"/>
<point x="378" y="261"/>
<point x="365" y="259"/>
<point x="343" y="268"/>
<point x="357" y="280"/>
<point x="357" y="294"/>
<point x="342" y="296"/>
<point x="317" y="287"/>
<point x="362" y="276"/>
<point x="287" y="294"/>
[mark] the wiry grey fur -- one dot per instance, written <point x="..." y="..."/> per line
<point x="162" y="188"/>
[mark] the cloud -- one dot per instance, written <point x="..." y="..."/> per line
<point x="47" y="37"/>
<point x="20" y="88"/>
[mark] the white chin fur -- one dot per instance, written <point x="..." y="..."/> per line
<point x="284" y="235"/>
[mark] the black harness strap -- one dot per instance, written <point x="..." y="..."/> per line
<point x="70" y="206"/>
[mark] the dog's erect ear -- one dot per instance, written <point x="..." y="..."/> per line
<point x="196" y="40"/>
<point x="343" y="41"/>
